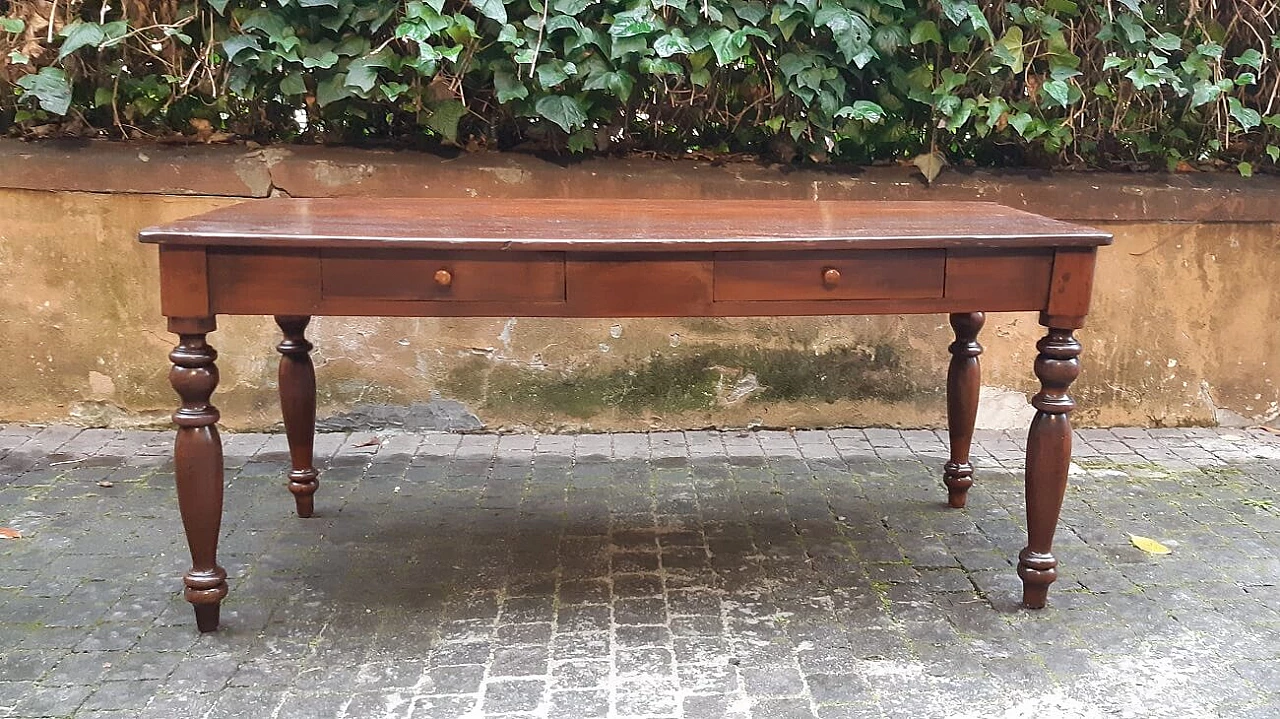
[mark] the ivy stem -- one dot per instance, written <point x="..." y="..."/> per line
<point x="537" y="45"/>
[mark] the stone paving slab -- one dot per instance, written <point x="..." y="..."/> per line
<point x="703" y="575"/>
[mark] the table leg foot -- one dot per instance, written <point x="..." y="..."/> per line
<point x="198" y="468"/>
<point x="298" y="407"/>
<point x="964" y="379"/>
<point x="1048" y="459"/>
<point x="207" y="617"/>
<point x="1037" y="572"/>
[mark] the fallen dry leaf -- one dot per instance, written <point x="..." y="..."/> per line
<point x="1148" y="545"/>
<point x="106" y="483"/>
<point x="1269" y="430"/>
<point x="8" y="533"/>
<point x="930" y="164"/>
<point x="371" y="443"/>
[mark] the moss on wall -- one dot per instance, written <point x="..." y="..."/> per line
<point x="695" y="378"/>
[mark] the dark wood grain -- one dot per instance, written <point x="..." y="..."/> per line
<point x="626" y="225"/>
<point x="197" y="469"/>
<point x="998" y="280"/>
<point x="443" y="276"/>
<point x="839" y="275"/>
<point x="298" y="407"/>
<point x="1070" y="288"/>
<point x="648" y="284"/>
<point x="184" y="282"/>
<point x="1048" y="459"/>
<point x="584" y="258"/>
<point x="617" y="285"/>
<point x="964" y="381"/>
<point x="253" y="280"/>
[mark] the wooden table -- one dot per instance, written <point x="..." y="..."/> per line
<point x="616" y="258"/>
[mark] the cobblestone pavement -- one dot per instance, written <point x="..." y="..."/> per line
<point x="696" y="575"/>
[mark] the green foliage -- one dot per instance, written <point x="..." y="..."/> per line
<point x="1087" y="83"/>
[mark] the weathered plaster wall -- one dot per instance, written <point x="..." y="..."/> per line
<point x="1181" y="332"/>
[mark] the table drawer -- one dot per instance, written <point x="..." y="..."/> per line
<point x="444" y="276"/>
<point x="831" y="275"/>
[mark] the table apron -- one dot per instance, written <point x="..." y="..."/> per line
<point x="410" y="283"/>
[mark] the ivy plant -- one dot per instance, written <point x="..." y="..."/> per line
<point x="1139" y="84"/>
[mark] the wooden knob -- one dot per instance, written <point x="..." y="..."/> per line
<point x="444" y="278"/>
<point x="831" y="277"/>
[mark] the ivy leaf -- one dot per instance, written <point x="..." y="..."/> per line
<point x="563" y="110"/>
<point x="673" y="44"/>
<point x="1167" y="42"/>
<point x="322" y="59"/>
<point x="1204" y="93"/>
<point x="1273" y="152"/>
<point x="849" y="29"/>
<point x="293" y="84"/>
<point x="554" y="72"/>
<point x="729" y="46"/>
<point x="1021" y="121"/>
<point x="393" y="90"/>
<point x="1210" y="49"/>
<point x="751" y="11"/>
<point x="219" y="6"/>
<point x="51" y="87"/>
<point x="572" y="7"/>
<point x="1247" y="117"/>
<point x="509" y="86"/>
<point x="979" y="20"/>
<point x="12" y="25"/>
<point x="925" y="31"/>
<point x="1245" y="169"/>
<point x="1009" y="49"/>
<point x="955" y="10"/>
<point x="582" y="140"/>
<point x="1133" y="30"/>
<point x="444" y="119"/>
<point x="962" y="114"/>
<point x="617" y="82"/>
<point x="888" y="38"/>
<point x="492" y="9"/>
<point x="332" y="89"/>
<point x="862" y="110"/>
<point x="78" y="35"/>
<point x="658" y="66"/>
<point x="271" y="24"/>
<point x="1249" y="58"/>
<point x="1058" y="90"/>
<point x="236" y="44"/>
<point x="362" y="74"/>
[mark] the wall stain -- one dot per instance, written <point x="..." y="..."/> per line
<point x="694" y="378"/>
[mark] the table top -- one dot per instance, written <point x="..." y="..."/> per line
<point x="609" y="225"/>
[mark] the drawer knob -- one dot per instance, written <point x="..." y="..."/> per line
<point x="830" y="277"/>
<point x="444" y="278"/>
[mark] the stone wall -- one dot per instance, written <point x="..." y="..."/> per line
<point x="1182" y="331"/>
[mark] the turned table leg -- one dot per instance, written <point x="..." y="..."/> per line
<point x="1048" y="458"/>
<point x="197" y="469"/>
<point x="964" y="378"/>
<point x="298" y="406"/>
